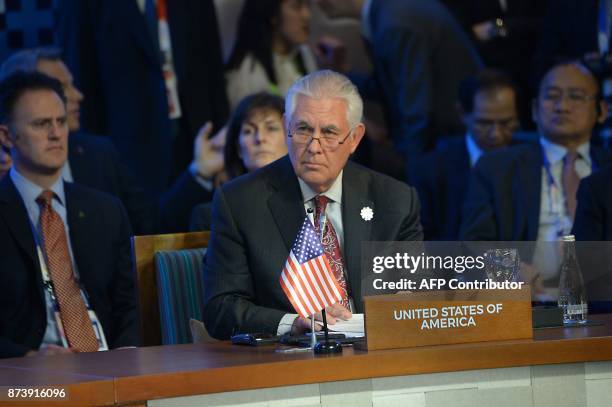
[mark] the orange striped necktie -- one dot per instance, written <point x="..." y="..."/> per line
<point x="73" y="312"/>
<point x="570" y="181"/>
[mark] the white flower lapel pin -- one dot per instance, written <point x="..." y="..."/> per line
<point x="367" y="213"/>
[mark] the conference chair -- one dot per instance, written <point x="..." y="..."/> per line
<point x="144" y="249"/>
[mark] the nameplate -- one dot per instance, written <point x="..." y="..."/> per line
<point x="447" y="317"/>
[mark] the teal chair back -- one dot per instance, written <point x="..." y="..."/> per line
<point x="180" y="292"/>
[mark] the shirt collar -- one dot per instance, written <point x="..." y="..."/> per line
<point x="334" y="193"/>
<point x="365" y="20"/>
<point x="556" y="152"/>
<point x="30" y="191"/>
<point x="474" y="151"/>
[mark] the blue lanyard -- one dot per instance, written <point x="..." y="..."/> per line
<point x="46" y="277"/>
<point x="553" y="193"/>
<point x="549" y="177"/>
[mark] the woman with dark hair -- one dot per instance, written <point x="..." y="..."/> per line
<point x="255" y="138"/>
<point x="270" y="51"/>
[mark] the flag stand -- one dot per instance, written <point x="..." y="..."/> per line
<point x="327" y="347"/>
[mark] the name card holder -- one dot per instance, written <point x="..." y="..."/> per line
<point x="447" y="317"/>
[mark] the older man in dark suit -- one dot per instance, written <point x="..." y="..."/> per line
<point x="64" y="291"/>
<point x="257" y="217"/>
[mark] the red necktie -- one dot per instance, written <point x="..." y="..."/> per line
<point x="570" y="181"/>
<point x="73" y="312"/>
<point x="331" y="247"/>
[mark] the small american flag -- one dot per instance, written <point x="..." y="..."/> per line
<point x="307" y="278"/>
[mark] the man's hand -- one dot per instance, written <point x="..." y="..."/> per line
<point x="333" y="313"/>
<point x="208" y="152"/>
<point x="484" y="31"/>
<point x="532" y="277"/>
<point x="49" y="350"/>
<point x="331" y="54"/>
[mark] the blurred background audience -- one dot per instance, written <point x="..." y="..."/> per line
<point x="488" y="108"/>
<point x="448" y="83"/>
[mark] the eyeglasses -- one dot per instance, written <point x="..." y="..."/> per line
<point x="574" y="97"/>
<point x="303" y="135"/>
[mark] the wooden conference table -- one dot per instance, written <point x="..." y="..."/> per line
<point x="556" y="365"/>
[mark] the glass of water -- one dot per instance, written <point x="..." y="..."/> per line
<point x="502" y="265"/>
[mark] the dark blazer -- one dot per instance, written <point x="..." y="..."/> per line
<point x="420" y="55"/>
<point x="503" y="200"/>
<point x="594" y="212"/>
<point x="112" y="55"/>
<point x="256" y="218"/>
<point x="201" y="217"/>
<point x="100" y="239"/>
<point x="94" y="162"/>
<point x="441" y="180"/>
<point x="177" y="204"/>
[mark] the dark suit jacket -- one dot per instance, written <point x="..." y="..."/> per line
<point x="594" y="212"/>
<point x="442" y="180"/>
<point x="100" y="239"/>
<point x="503" y="200"/>
<point x="95" y="163"/>
<point x="112" y="55"/>
<point x="201" y="217"/>
<point x="256" y="218"/>
<point x="176" y="205"/>
<point x="420" y="55"/>
<point x="523" y="22"/>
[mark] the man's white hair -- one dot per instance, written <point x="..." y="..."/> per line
<point x="326" y="84"/>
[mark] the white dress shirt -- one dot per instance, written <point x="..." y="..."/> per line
<point x="29" y="192"/>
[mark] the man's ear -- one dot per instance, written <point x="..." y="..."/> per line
<point x="602" y="111"/>
<point x="5" y="138"/>
<point x="358" y="133"/>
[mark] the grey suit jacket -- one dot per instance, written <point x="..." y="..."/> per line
<point x="256" y="218"/>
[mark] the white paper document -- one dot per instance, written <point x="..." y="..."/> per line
<point x="352" y="328"/>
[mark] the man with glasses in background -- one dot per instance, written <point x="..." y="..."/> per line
<point x="256" y="217"/>
<point x="488" y="108"/>
<point x="528" y="192"/>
